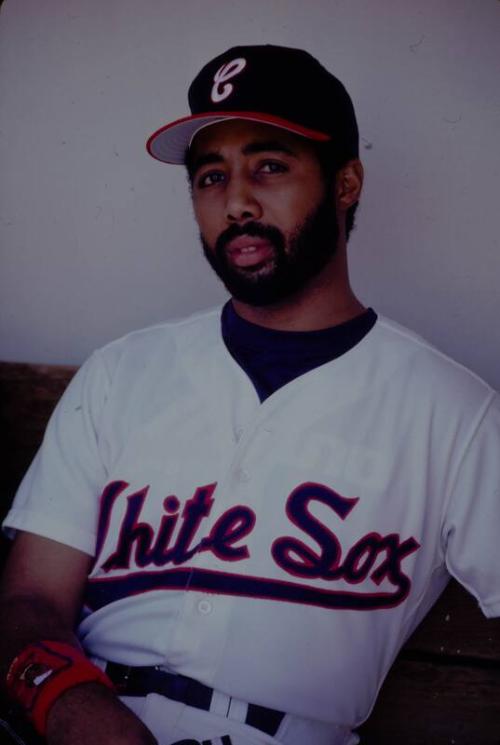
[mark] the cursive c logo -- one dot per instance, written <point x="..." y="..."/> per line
<point x="221" y="89"/>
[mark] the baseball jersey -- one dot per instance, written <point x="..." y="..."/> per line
<point x="272" y="358"/>
<point x="281" y="551"/>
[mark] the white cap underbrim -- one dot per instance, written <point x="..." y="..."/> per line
<point x="171" y="142"/>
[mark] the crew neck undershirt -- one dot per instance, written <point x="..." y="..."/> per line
<point x="271" y="358"/>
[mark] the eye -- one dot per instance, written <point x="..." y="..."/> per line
<point x="272" y="166"/>
<point x="209" y="178"/>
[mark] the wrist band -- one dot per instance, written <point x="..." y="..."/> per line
<point x="45" y="670"/>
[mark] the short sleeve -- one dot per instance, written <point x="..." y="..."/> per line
<point x="59" y="495"/>
<point x="472" y="521"/>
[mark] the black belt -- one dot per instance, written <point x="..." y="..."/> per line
<point x="139" y="681"/>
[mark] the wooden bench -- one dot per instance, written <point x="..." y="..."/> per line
<point x="444" y="688"/>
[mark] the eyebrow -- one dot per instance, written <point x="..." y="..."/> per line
<point x="265" y="146"/>
<point x="252" y="148"/>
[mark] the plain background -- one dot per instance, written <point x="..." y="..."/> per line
<point x="98" y="239"/>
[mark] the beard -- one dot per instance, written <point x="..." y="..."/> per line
<point x="309" y="249"/>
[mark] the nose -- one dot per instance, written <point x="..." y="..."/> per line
<point x="241" y="202"/>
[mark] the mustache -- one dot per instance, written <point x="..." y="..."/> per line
<point x="253" y="229"/>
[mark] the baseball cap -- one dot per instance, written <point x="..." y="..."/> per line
<point x="285" y="87"/>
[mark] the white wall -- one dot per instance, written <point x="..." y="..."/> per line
<point x="97" y="238"/>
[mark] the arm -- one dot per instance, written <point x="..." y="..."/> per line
<point x="40" y="598"/>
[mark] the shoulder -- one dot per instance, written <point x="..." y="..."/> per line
<point x="144" y="356"/>
<point x="161" y="341"/>
<point x="190" y="327"/>
<point x="425" y="371"/>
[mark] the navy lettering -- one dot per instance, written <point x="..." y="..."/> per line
<point x="167" y="526"/>
<point x="292" y="554"/>
<point x="141" y="534"/>
<point x="194" y="511"/>
<point x="107" y="501"/>
<point x="391" y="567"/>
<point x="229" y="528"/>
<point x="361" y="558"/>
<point x="132" y="532"/>
<point x="316" y="554"/>
<point x="298" y="559"/>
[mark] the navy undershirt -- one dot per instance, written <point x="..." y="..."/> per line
<point x="271" y="359"/>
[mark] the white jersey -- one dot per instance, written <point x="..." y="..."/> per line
<point x="282" y="551"/>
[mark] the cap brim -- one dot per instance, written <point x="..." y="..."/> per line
<point x="171" y="142"/>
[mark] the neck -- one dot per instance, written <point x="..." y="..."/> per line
<point x="328" y="300"/>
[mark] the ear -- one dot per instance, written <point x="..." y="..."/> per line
<point x="348" y="184"/>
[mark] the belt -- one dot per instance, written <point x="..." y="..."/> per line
<point x="139" y="681"/>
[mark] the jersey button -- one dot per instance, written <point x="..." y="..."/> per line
<point x="205" y="607"/>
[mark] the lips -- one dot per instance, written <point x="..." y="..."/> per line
<point x="249" y="251"/>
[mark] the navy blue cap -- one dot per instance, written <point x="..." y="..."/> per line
<point x="285" y="87"/>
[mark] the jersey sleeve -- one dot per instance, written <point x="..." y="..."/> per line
<point x="58" y="497"/>
<point x="472" y="522"/>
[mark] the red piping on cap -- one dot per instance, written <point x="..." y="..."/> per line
<point x="277" y="121"/>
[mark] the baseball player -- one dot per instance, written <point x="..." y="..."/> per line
<point x="236" y="520"/>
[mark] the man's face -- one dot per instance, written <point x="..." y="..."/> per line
<point x="266" y="218"/>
